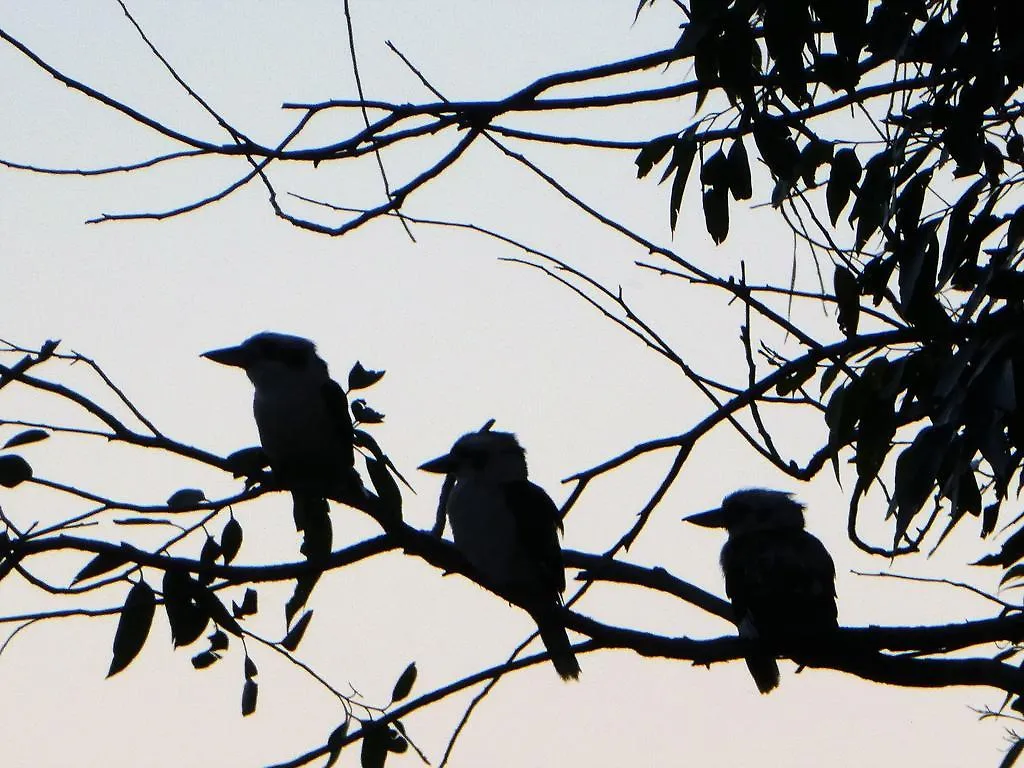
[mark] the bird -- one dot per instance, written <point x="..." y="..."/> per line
<point x="303" y="420"/>
<point x="507" y="528"/>
<point x="779" y="578"/>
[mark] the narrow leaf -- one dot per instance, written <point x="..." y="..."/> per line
<point x="204" y="659"/>
<point x="294" y="637"/>
<point x="26" y="437"/>
<point x="250" y="669"/>
<point x="133" y="627"/>
<point x="335" y="742"/>
<point x="375" y="745"/>
<point x="249" y="691"/>
<point x="187" y="617"/>
<point x="104" y="562"/>
<point x="248" y="605"/>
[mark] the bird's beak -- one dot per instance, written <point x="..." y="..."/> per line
<point x="236" y="356"/>
<point x="442" y="465"/>
<point x="713" y="518"/>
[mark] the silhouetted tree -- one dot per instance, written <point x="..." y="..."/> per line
<point x="885" y="134"/>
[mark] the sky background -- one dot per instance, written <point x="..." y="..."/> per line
<point x="464" y="337"/>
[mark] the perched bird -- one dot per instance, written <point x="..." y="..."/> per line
<point x="302" y="416"/>
<point x="507" y="528"/>
<point x="780" y="578"/>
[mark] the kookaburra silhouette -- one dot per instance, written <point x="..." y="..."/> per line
<point x="302" y="416"/>
<point x="507" y="529"/>
<point x="780" y="578"/>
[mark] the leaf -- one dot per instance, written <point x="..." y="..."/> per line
<point x="715" y="172"/>
<point x="795" y="379"/>
<point x="360" y="378"/>
<point x="335" y="742"/>
<point x="362" y="413"/>
<point x="404" y="684"/>
<point x="26" y="437"/>
<point x="14" y="470"/>
<point x="303" y="589"/>
<point x="215" y="610"/>
<point x="815" y="154"/>
<point x="104" y="562"/>
<point x="133" y="626"/>
<point x="386" y="487"/>
<point x="143" y="521"/>
<point x="294" y="637"/>
<point x="375" y="745"/>
<point x="917" y="470"/>
<point x="186" y="498"/>
<point x="739" y="171"/>
<point x="847" y="300"/>
<point x="249" y="691"/>
<point x="250" y="668"/>
<point x="204" y="659"/>
<point x="230" y="540"/>
<point x="397" y="742"/>
<point x="716" y="214"/>
<point x="777" y="148"/>
<point x="1011" y="552"/>
<point x="872" y="203"/>
<point x="248" y="605"/>
<point x="185" y="614"/>
<point x="652" y="154"/>
<point x="844" y="176"/>
<point x="218" y="641"/>
<point x="682" y="157"/>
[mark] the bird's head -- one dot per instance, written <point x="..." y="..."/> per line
<point x="753" y="509"/>
<point x="270" y="357"/>
<point x="495" y="456"/>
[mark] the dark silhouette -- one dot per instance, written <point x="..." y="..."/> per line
<point x="507" y="528"/>
<point x="780" y="578"/>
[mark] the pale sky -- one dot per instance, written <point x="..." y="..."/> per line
<point x="464" y="337"/>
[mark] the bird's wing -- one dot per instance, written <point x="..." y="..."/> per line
<point x="336" y="403"/>
<point x="784" y="582"/>
<point x="537" y="523"/>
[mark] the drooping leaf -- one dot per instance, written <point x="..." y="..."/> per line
<point x="847" y="300"/>
<point x="777" y="148"/>
<point x="335" y="742"/>
<point x="361" y="378"/>
<point x="14" y="470"/>
<point x="374" y="749"/>
<point x="403" y="686"/>
<point x="26" y="437"/>
<point x="133" y="626"/>
<point x="815" y="154"/>
<point x="294" y="637"/>
<point x="841" y="181"/>
<point x="872" y="203"/>
<point x="739" y="171"/>
<point x="303" y="589"/>
<point x="714" y="172"/>
<point x="185" y="614"/>
<point x="249" y="692"/>
<point x="250" y="668"/>
<point x="208" y="556"/>
<point x="104" y="562"/>
<point x="652" y="154"/>
<point x="231" y="540"/>
<point x="682" y="158"/>
<point x="917" y="470"/>
<point x="186" y="498"/>
<point x="397" y="743"/>
<point x="796" y="378"/>
<point x="716" y="214"/>
<point x="218" y="641"/>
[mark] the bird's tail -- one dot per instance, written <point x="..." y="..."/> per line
<point x="765" y="671"/>
<point x="556" y="641"/>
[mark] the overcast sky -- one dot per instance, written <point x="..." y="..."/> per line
<point x="464" y="337"/>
